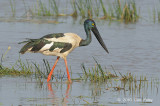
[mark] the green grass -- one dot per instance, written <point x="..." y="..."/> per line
<point x="13" y="7"/>
<point x="99" y="74"/>
<point x="14" y="72"/>
<point x="95" y="74"/>
<point x="158" y="16"/>
<point x="19" y="68"/>
<point x="126" y="11"/>
<point x="42" y="9"/>
<point x="117" y="10"/>
<point x="158" y="11"/>
<point x="26" y="68"/>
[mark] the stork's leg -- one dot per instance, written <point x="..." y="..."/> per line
<point x="50" y="74"/>
<point x="69" y="79"/>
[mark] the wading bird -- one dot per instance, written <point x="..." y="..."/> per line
<point x="61" y="44"/>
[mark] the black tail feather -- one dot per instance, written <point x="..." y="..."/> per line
<point x="35" y="44"/>
<point x="29" y="44"/>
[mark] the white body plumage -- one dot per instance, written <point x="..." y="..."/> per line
<point x="70" y="38"/>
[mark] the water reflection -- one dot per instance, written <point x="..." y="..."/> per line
<point x="53" y="96"/>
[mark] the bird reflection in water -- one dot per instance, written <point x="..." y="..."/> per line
<point x="52" y="94"/>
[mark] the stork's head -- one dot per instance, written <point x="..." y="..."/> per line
<point x="91" y="25"/>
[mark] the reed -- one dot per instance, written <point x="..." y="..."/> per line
<point x="42" y="9"/>
<point x="154" y="15"/>
<point x="158" y="16"/>
<point x="13" y="7"/>
<point x="81" y="7"/>
<point x="158" y="11"/>
<point x="119" y="10"/>
<point x="104" y="9"/>
<point x="96" y="8"/>
<point x="126" y="11"/>
<point x="54" y="7"/>
<point x="74" y="14"/>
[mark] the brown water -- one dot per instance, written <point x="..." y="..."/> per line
<point x="133" y="48"/>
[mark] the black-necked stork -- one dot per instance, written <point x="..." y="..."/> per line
<point x="61" y="44"/>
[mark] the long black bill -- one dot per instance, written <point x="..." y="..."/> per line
<point x="96" y="33"/>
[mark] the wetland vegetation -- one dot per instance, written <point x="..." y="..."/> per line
<point x="117" y="10"/>
<point x="97" y="84"/>
<point x="113" y="81"/>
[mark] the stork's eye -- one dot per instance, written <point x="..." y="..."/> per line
<point x="92" y="24"/>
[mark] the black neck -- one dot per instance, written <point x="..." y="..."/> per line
<point x="88" y="38"/>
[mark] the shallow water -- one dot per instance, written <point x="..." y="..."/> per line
<point x="133" y="48"/>
<point x="27" y="91"/>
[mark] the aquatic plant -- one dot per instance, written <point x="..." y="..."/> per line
<point x="96" y="74"/>
<point x="19" y="68"/>
<point x="119" y="10"/>
<point x="99" y="74"/>
<point x="158" y="11"/>
<point x="13" y="7"/>
<point x="42" y="10"/>
<point x="104" y="9"/>
<point x="74" y="14"/>
<point x="126" y="11"/>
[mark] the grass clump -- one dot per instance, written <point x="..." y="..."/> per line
<point x="14" y="72"/>
<point x="19" y="68"/>
<point x="97" y="74"/>
<point x="126" y="11"/>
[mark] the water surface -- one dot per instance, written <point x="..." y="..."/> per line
<point x="133" y="48"/>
